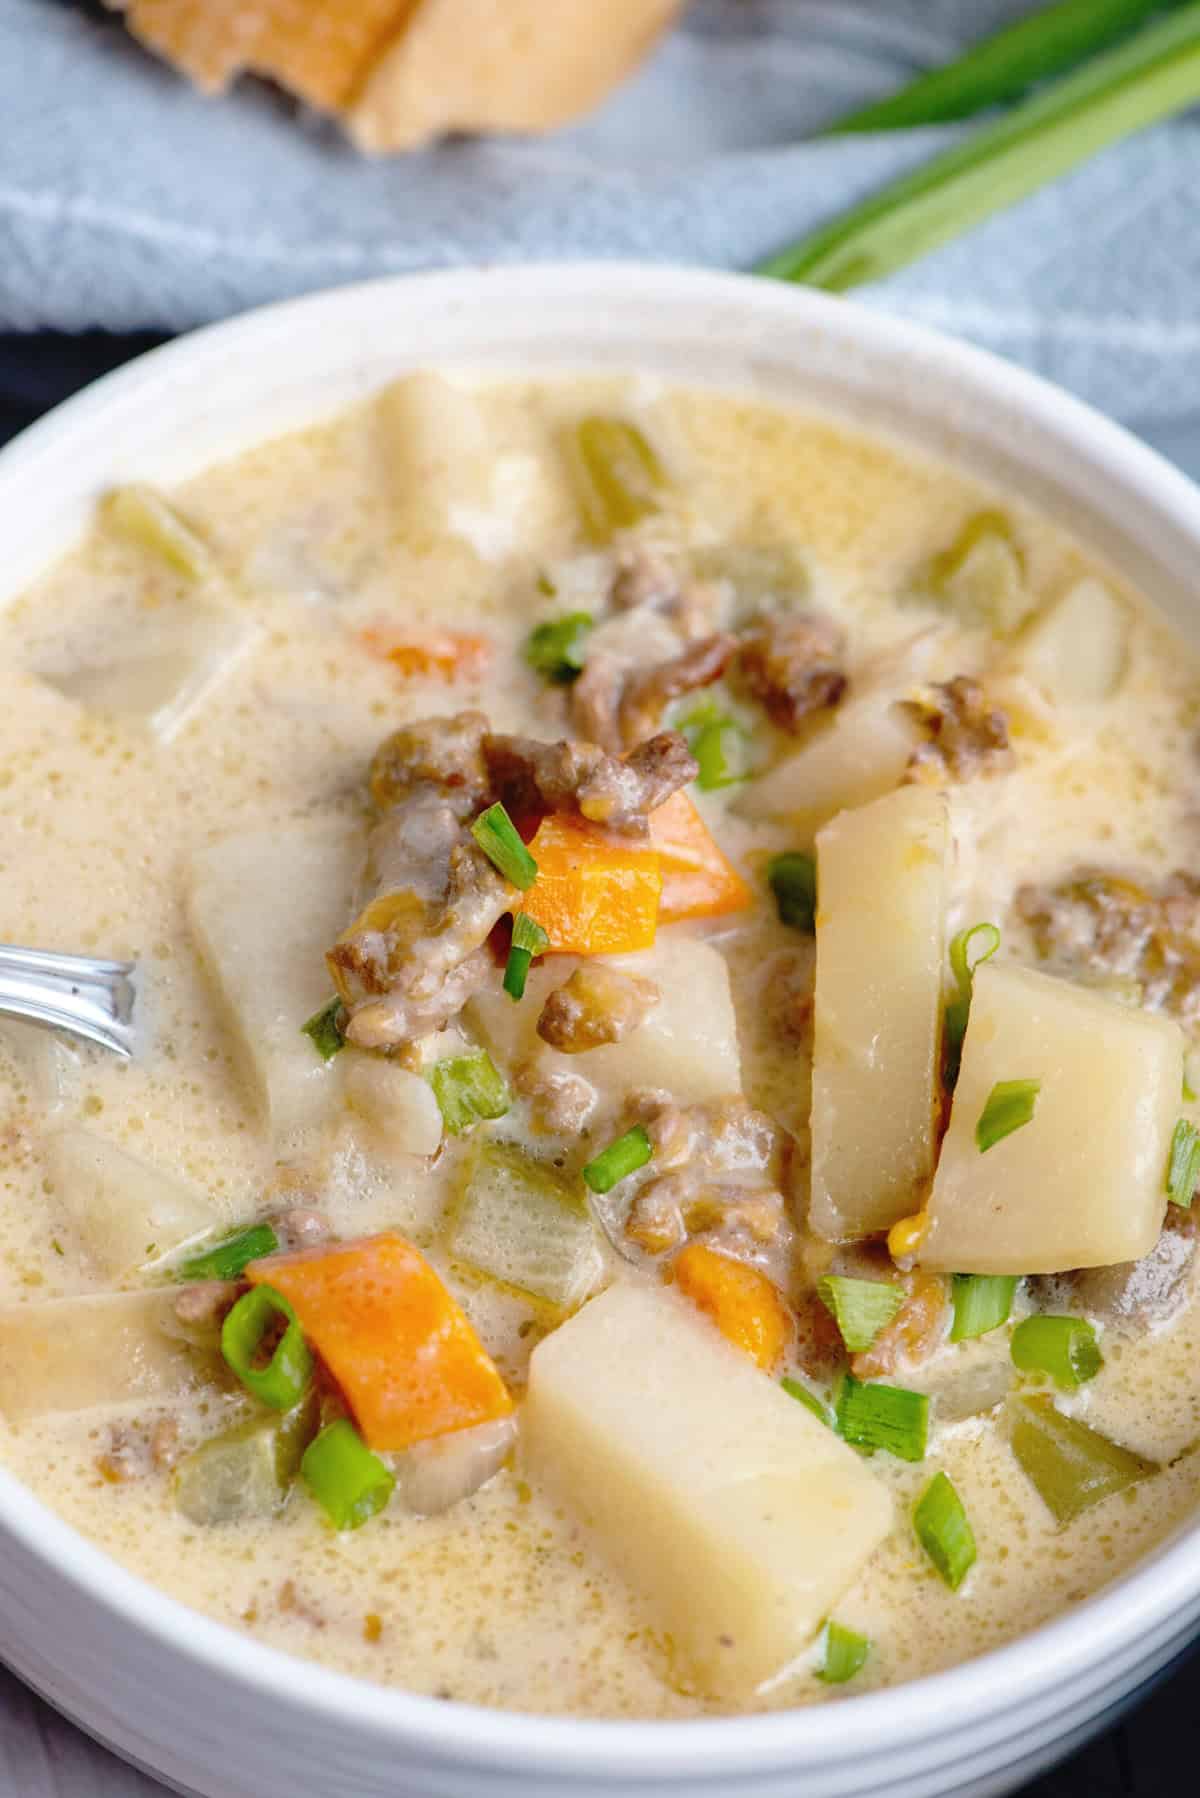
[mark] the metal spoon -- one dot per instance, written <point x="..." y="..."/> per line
<point x="77" y="993"/>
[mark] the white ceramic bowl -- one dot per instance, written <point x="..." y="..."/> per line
<point x="212" y="1711"/>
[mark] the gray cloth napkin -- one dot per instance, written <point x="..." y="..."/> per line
<point x="128" y="201"/>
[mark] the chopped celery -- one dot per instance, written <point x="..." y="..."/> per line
<point x="247" y="1471"/>
<point x="619" y="479"/>
<point x="980" y="577"/>
<point x="518" y="1222"/>
<point x="142" y="516"/>
<point x="1072" y="1466"/>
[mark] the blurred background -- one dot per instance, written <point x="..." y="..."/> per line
<point x="851" y="143"/>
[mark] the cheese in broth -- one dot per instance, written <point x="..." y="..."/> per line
<point x="184" y="746"/>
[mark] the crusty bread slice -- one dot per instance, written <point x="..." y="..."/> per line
<point x="501" y="65"/>
<point x="322" y="50"/>
<point x="401" y="72"/>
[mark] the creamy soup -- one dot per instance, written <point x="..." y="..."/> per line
<point x="655" y="1178"/>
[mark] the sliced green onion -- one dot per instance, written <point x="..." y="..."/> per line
<point x="1010" y="1105"/>
<point x="282" y="1381"/>
<point x="468" y="1088"/>
<point x="1003" y="66"/>
<point x="500" y="841"/>
<point x="557" y="649"/>
<point x="1155" y="74"/>
<point x="620" y="1159"/>
<point x="792" y="877"/>
<point x="714" y="738"/>
<point x="944" y="1530"/>
<point x="861" y="1308"/>
<point x="845" y="1653"/>
<point x="1063" y="1347"/>
<point x="804" y="1395"/>
<point x="324" y="1029"/>
<point x="226" y="1259"/>
<point x="348" y="1482"/>
<point x="1183" y="1164"/>
<point x="1189" y="1095"/>
<point x="528" y="940"/>
<point x="964" y="959"/>
<point x="982" y="1302"/>
<point x="887" y="1417"/>
<point x="1071" y="1465"/>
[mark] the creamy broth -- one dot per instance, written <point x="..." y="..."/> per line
<point x="325" y="549"/>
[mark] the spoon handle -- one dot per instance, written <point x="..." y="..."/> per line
<point x="77" y="993"/>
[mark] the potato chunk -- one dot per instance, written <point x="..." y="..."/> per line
<point x="73" y="1354"/>
<point x="735" y="1513"/>
<point x="1077" y="649"/>
<point x="881" y="955"/>
<point x="264" y="906"/>
<point x="1083" y="1183"/>
<point x="861" y="754"/>
<point x="124" y="1212"/>
<point x="687" y="1043"/>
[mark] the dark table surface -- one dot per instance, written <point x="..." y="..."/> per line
<point x="1153" y="1753"/>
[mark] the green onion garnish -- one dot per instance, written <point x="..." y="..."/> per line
<point x="1010" y="1104"/>
<point x="324" y="1029"/>
<point x="621" y="1158"/>
<point x="805" y="1396"/>
<point x="1063" y="1347"/>
<point x="887" y="1417"/>
<point x="528" y="940"/>
<point x="944" y="1530"/>
<point x="982" y="1302"/>
<point x="468" y="1088"/>
<point x="282" y="1381"/>
<point x="557" y="649"/>
<point x="1154" y="75"/>
<point x="1189" y="1095"/>
<point x="860" y="1307"/>
<point x="1071" y="1465"/>
<point x="1003" y="66"/>
<point x="964" y="959"/>
<point x="792" y="877"/>
<point x="714" y="738"/>
<point x="226" y="1259"/>
<point x="348" y="1482"/>
<point x="497" y="836"/>
<point x="845" y="1653"/>
<point x="1183" y="1164"/>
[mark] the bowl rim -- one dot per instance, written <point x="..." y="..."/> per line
<point x="1038" y="1665"/>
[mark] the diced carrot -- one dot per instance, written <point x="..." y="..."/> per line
<point x="594" y="895"/>
<point x="741" y="1301"/>
<point x="399" y="1346"/>
<point x="453" y="655"/>
<point x="698" y="880"/>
